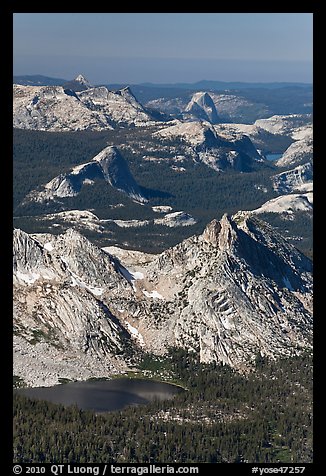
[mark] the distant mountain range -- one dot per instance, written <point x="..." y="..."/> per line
<point x="40" y="80"/>
<point x="225" y="132"/>
<point x="222" y="85"/>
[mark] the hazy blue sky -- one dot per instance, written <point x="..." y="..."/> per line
<point x="165" y="47"/>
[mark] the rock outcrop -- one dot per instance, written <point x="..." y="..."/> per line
<point x="300" y="152"/>
<point x="240" y="289"/>
<point x="219" y="151"/>
<point x="299" y="179"/>
<point x="108" y="165"/>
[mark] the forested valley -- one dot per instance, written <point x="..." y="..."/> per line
<point x="222" y="416"/>
<point x="199" y="190"/>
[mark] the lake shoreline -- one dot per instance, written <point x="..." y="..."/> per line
<point x="130" y="374"/>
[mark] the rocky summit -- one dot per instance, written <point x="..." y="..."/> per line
<point x="201" y="106"/>
<point x="227" y="149"/>
<point x="236" y="291"/>
<point x="71" y="108"/>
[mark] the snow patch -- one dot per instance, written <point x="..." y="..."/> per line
<point x="135" y="333"/>
<point x="28" y="278"/>
<point x="131" y="276"/>
<point x="153" y="294"/>
<point x="162" y="209"/>
<point x="137" y="275"/>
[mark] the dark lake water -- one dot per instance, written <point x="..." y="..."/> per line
<point x="273" y="156"/>
<point x="104" y="396"/>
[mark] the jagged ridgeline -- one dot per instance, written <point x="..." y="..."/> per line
<point x="235" y="291"/>
<point x="57" y="108"/>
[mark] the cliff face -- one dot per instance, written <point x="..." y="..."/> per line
<point x="201" y="106"/>
<point x="235" y="291"/>
<point x="59" y="311"/>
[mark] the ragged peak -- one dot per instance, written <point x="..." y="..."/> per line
<point x="220" y="233"/>
<point x="211" y="232"/>
<point x="73" y="234"/>
<point x="202" y="106"/>
<point x="24" y="245"/>
<point x="126" y="90"/>
<point x="83" y="81"/>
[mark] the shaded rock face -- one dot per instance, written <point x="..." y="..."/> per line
<point x="116" y="171"/>
<point x="202" y="106"/>
<point x="108" y="165"/>
<point x="283" y="266"/>
<point x="31" y="260"/>
<point x="229" y="294"/>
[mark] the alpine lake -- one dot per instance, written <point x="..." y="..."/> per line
<point x="104" y="395"/>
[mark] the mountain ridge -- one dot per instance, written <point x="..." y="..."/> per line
<point x="58" y="108"/>
<point x="234" y="291"/>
